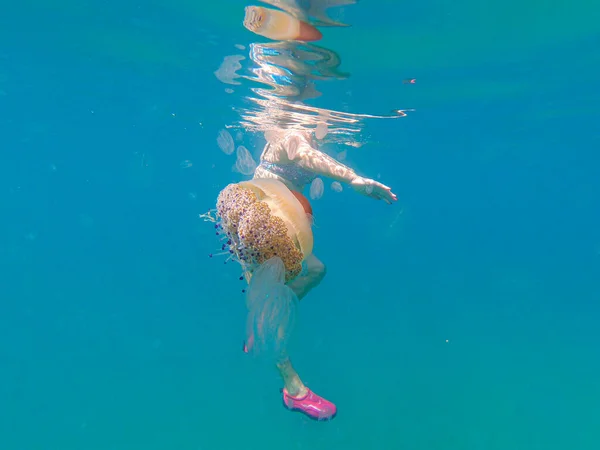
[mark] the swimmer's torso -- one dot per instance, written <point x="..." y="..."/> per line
<point x="275" y="162"/>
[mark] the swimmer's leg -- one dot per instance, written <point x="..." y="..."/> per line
<point x="296" y="396"/>
<point x="271" y="310"/>
<point x="301" y="286"/>
<point x="291" y="380"/>
<point x="315" y="272"/>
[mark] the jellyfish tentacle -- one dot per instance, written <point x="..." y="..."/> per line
<point x="271" y="311"/>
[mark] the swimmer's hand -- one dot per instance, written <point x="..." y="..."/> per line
<point x="373" y="189"/>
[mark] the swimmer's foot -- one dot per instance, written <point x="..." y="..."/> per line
<point x="311" y="404"/>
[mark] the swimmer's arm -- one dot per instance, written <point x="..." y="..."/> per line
<point x="320" y="163"/>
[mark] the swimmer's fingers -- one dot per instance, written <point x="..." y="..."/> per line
<point x="373" y="189"/>
<point x="388" y="199"/>
<point x="385" y="193"/>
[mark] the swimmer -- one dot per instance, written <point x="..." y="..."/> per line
<point x="295" y="160"/>
<point x="267" y="225"/>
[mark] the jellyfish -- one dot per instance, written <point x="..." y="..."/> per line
<point x="244" y="163"/>
<point x="316" y="189"/>
<point x="286" y="210"/>
<point x="260" y="219"/>
<point x="321" y="130"/>
<point x="266" y="228"/>
<point x="336" y="186"/>
<point x="225" y="142"/>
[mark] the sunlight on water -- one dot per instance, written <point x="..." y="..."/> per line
<point x="316" y="12"/>
<point x="281" y="78"/>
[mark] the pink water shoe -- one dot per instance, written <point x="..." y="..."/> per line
<point x="311" y="404"/>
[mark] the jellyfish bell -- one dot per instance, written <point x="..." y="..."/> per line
<point x="262" y="218"/>
<point x="286" y="206"/>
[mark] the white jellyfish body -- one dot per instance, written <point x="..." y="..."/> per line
<point x="244" y="163"/>
<point x="316" y="189"/>
<point x="225" y="142"/>
<point x="321" y="130"/>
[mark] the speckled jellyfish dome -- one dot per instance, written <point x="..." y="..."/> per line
<point x="262" y="219"/>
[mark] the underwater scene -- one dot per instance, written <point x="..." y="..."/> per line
<point x="299" y="224"/>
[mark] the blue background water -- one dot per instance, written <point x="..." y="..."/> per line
<point x="463" y="317"/>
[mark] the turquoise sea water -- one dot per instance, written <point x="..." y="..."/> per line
<point x="463" y="317"/>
